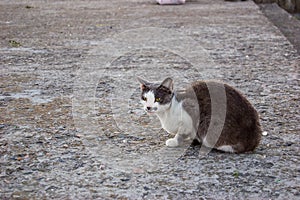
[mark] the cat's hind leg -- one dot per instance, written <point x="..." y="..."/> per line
<point x="226" y="148"/>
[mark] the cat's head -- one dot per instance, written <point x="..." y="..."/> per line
<point x="156" y="97"/>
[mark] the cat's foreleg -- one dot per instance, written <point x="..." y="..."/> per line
<point x="174" y="142"/>
<point x="182" y="134"/>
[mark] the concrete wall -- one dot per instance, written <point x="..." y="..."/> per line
<point x="289" y="5"/>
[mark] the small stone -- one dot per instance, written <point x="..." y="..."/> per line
<point x="78" y="136"/>
<point x="138" y="171"/>
<point x="146" y="188"/>
<point x="28" y="135"/>
<point x="102" y="167"/>
<point x="265" y="133"/>
<point x="125" y="179"/>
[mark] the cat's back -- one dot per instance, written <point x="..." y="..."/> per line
<point x="202" y="93"/>
<point x="206" y="91"/>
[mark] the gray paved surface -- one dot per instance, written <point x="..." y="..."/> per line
<point x="70" y="121"/>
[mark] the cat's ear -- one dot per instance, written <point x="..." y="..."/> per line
<point x="168" y="83"/>
<point x="144" y="83"/>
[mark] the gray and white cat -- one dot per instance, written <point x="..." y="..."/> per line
<point x="193" y="113"/>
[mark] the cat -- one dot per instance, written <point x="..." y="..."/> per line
<point x="226" y="122"/>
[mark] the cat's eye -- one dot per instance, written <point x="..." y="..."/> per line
<point x="144" y="98"/>
<point x="157" y="99"/>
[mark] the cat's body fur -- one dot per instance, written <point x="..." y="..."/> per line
<point x="188" y="114"/>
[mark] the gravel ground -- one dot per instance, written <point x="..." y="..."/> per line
<point x="72" y="127"/>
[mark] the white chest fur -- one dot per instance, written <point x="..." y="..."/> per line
<point x="176" y="119"/>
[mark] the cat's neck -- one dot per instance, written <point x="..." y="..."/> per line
<point x="170" y="118"/>
<point x="171" y="109"/>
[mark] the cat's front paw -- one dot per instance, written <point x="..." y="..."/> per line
<point x="172" y="142"/>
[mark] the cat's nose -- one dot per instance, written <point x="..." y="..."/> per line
<point x="151" y="109"/>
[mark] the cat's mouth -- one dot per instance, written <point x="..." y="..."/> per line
<point x="150" y="112"/>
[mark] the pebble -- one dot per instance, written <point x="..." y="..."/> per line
<point x="265" y="133"/>
<point x="102" y="167"/>
<point x="138" y="171"/>
<point x="78" y="136"/>
<point x="28" y="135"/>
